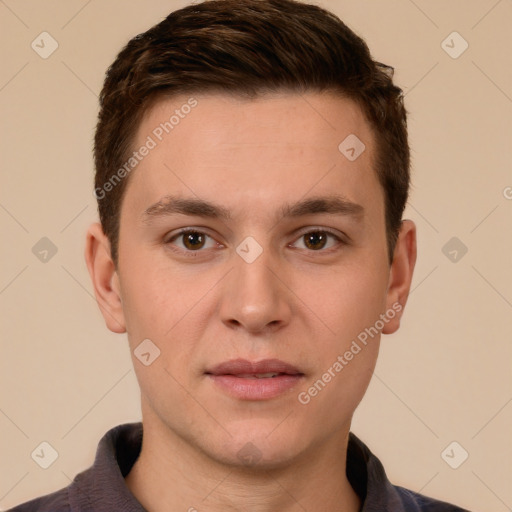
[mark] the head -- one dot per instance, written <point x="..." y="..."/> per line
<point x="233" y="120"/>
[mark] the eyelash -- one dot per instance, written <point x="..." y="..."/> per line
<point x="194" y="254"/>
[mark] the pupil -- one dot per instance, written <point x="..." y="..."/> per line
<point x="194" y="240"/>
<point x="315" y="240"/>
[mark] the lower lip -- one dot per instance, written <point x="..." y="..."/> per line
<point x="255" y="389"/>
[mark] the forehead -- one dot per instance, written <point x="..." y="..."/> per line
<point x="229" y="122"/>
<point x="235" y="149"/>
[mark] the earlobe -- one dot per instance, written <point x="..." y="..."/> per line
<point x="400" y="276"/>
<point x="104" y="278"/>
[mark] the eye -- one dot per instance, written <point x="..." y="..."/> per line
<point x="192" y="240"/>
<point x="317" y="240"/>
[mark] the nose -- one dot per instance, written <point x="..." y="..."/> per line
<point x="254" y="297"/>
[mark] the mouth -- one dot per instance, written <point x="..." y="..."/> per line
<point x="265" y="369"/>
<point x="260" y="380"/>
<point x="269" y="375"/>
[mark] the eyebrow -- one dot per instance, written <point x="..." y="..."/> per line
<point x="316" y="205"/>
<point x="170" y="205"/>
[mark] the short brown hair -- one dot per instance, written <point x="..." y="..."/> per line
<point x="248" y="48"/>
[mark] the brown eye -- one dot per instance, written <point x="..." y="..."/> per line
<point x="315" y="240"/>
<point x="318" y="240"/>
<point x="194" y="240"/>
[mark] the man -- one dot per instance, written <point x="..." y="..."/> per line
<point x="252" y="168"/>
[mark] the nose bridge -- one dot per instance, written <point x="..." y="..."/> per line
<point x="255" y="299"/>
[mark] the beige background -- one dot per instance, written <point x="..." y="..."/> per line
<point x="446" y="376"/>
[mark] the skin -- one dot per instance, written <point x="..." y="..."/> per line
<point x="299" y="304"/>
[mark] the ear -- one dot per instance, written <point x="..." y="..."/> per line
<point x="104" y="278"/>
<point x="400" y="275"/>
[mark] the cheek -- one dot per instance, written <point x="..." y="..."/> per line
<point x="346" y="301"/>
<point x="156" y="307"/>
<point x="346" y="346"/>
<point x="145" y="303"/>
<point x="341" y="396"/>
<point x="344" y="308"/>
<point x="149" y="295"/>
<point x="165" y="304"/>
<point x="332" y="395"/>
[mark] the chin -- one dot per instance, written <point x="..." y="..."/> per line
<point x="260" y="444"/>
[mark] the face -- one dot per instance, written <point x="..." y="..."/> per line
<point x="252" y="255"/>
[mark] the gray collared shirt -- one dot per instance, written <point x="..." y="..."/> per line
<point x="102" y="487"/>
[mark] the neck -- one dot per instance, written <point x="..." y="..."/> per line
<point x="171" y="475"/>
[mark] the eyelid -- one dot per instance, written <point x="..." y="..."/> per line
<point x="342" y="237"/>
<point x="182" y="231"/>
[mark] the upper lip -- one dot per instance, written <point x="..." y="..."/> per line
<point x="243" y="366"/>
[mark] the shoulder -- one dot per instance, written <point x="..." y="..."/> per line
<point x="57" y="501"/>
<point x="414" y="502"/>
<point x="368" y="478"/>
<point x="102" y="486"/>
